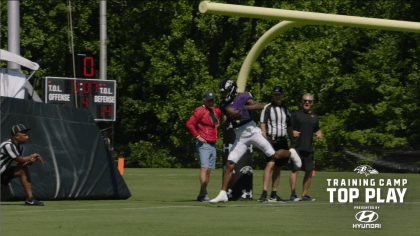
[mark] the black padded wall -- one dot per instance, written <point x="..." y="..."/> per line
<point x="77" y="163"/>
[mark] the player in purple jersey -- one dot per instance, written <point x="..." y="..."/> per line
<point x="236" y="109"/>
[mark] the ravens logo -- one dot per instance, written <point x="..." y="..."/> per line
<point x="246" y="170"/>
<point x="365" y="169"/>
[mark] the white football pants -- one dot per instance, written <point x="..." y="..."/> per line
<point x="245" y="135"/>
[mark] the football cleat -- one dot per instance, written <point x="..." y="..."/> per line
<point x="307" y="198"/>
<point x="293" y="197"/>
<point x="203" y="198"/>
<point x="276" y="199"/>
<point x="33" y="202"/>
<point x="222" y="197"/>
<point x="262" y="199"/>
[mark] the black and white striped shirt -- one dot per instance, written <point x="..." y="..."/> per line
<point x="276" y="118"/>
<point x="8" y="153"/>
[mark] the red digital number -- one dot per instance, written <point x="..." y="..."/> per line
<point x="107" y="110"/>
<point x="76" y="86"/>
<point x="85" y="66"/>
<point x="86" y="87"/>
<point x="96" y="86"/>
<point x="85" y="101"/>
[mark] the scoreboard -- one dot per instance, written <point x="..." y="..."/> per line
<point x="84" y="66"/>
<point x="99" y="96"/>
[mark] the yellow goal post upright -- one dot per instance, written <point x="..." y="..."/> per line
<point x="293" y="18"/>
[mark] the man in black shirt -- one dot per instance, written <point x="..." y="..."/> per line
<point x="305" y="123"/>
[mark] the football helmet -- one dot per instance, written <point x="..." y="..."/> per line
<point x="228" y="89"/>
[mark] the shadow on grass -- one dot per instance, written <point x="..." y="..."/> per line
<point x="188" y="200"/>
<point x="3" y="204"/>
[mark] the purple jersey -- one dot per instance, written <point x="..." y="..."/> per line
<point x="239" y="104"/>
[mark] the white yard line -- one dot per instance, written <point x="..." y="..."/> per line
<point x="219" y="205"/>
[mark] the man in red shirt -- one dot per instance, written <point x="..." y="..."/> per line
<point x="203" y="126"/>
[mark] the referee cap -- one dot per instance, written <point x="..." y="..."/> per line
<point x="19" y="128"/>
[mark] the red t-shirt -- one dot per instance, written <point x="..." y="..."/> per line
<point x="204" y="124"/>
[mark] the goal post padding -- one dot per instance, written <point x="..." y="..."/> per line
<point x="77" y="162"/>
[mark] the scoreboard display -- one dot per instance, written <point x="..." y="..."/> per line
<point x="84" y="66"/>
<point x="99" y="96"/>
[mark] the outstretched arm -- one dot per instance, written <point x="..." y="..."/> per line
<point x="253" y="105"/>
<point x="24" y="161"/>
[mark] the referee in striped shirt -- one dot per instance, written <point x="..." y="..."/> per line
<point x="275" y="124"/>
<point x="11" y="150"/>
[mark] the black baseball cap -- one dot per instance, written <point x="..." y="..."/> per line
<point x="278" y="90"/>
<point x="19" y="128"/>
<point x="209" y="96"/>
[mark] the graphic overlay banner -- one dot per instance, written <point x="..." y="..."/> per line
<point x="373" y="200"/>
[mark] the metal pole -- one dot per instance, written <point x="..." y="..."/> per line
<point x="257" y="49"/>
<point x="112" y="141"/>
<point x="102" y="51"/>
<point x="102" y="39"/>
<point x="13" y="33"/>
<point x="310" y="18"/>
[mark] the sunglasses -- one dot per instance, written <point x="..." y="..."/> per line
<point x="310" y="101"/>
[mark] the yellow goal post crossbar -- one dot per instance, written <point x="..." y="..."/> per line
<point x="292" y="18"/>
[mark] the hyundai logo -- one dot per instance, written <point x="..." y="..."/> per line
<point x="366" y="216"/>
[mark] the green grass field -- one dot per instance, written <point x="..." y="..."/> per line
<point x="163" y="203"/>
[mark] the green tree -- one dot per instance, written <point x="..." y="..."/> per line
<point x="165" y="54"/>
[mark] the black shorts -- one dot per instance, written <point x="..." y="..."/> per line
<point x="8" y="175"/>
<point x="307" y="160"/>
<point x="277" y="145"/>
